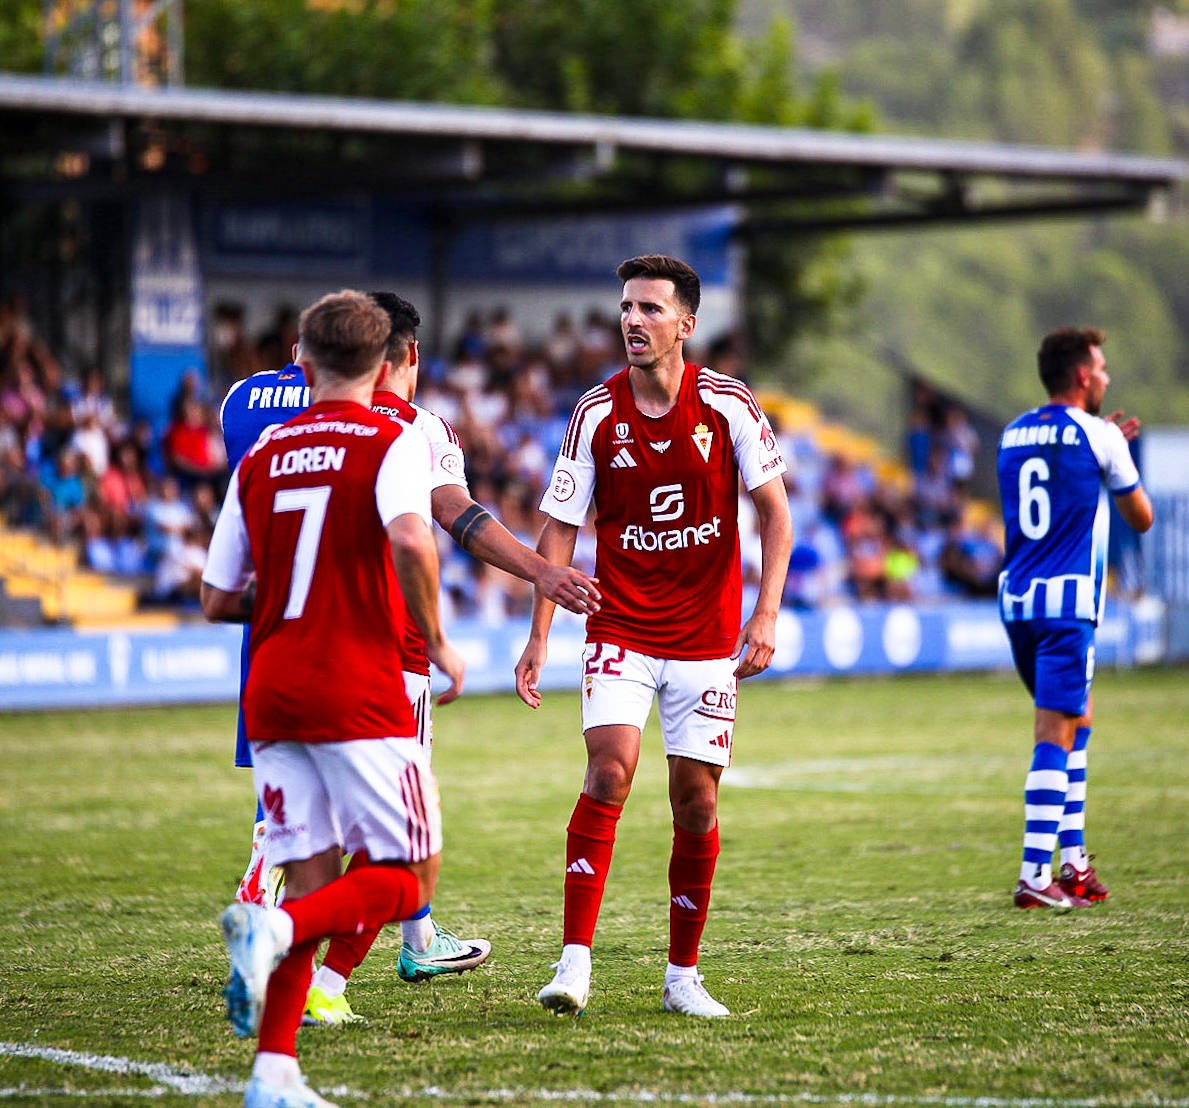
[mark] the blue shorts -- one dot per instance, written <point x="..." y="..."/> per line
<point x="243" y="748"/>
<point x="1055" y="660"/>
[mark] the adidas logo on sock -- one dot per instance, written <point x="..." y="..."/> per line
<point x="684" y="901"/>
<point x="581" y="865"/>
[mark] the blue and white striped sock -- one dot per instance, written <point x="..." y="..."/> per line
<point x="1071" y="833"/>
<point x="1044" y="802"/>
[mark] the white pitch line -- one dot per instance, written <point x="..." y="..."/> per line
<point x="166" y="1077"/>
<point x="200" y="1084"/>
<point x="857" y="1100"/>
<point x="155" y="1093"/>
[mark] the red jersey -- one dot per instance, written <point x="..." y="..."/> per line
<point x="447" y="467"/>
<point x="308" y="507"/>
<point x="665" y="492"/>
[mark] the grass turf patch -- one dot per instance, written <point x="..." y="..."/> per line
<point x="861" y="929"/>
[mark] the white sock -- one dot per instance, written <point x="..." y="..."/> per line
<point x="1075" y="856"/>
<point x="1036" y="877"/>
<point x="574" y="956"/>
<point x="678" y="973"/>
<point x="331" y="982"/>
<point x="418" y="933"/>
<point x="280" y="923"/>
<point x="276" y="1069"/>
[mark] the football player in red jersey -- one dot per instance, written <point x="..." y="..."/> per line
<point x="428" y="949"/>
<point x="331" y="511"/>
<point x="659" y="450"/>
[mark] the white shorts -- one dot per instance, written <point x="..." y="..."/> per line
<point x="695" y="700"/>
<point x="418" y="690"/>
<point x="377" y="795"/>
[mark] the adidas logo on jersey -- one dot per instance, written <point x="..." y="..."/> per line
<point x="581" y="865"/>
<point x="661" y="447"/>
<point x="623" y="460"/>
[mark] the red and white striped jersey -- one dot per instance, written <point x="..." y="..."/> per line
<point x="308" y="508"/>
<point x="665" y="492"/>
<point x="447" y="467"/>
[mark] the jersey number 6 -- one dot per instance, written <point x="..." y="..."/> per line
<point x="1035" y="506"/>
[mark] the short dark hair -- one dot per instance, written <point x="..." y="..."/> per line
<point x="404" y="320"/>
<point x="1062" y="352"/>
<point x="345" y="333"/>
<point x="686" y="283"/>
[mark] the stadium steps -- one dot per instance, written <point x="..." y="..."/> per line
<point x="36" y="572"/>
<point x="805" y="418"/>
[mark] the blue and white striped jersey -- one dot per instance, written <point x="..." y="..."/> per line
<point x="1056" y="466"/>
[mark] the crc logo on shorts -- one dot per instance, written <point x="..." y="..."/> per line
<point x="666" y="502"/>
<point x="718" y="704"/>
<point x="273" y="803"/>
<point x="564" y="486"/>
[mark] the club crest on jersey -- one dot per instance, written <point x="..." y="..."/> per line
<point x="703" y="437"/>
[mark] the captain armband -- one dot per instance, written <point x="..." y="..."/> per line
<point x="467" y="526"/>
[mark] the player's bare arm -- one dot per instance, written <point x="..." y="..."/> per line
<point x="480" y="534"/>
<point x="220" y="606"/>
<point x="757" y="638"/>
<point x="416" y="558"/>
<point x="556" y="546"/>
<point x="1136" y="509"/>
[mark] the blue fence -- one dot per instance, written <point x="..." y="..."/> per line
<point x="60" y="668"/>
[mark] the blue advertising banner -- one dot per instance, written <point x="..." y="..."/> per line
<point x="64" y="669"/>
<point x="167" y="304"/>
<point x="364" y="237"/>
<point x="581" y="249"/>
<point x="325" y="237"/>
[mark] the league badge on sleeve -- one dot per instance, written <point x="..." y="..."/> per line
<point x="703" y="437"/>
<point x="564" y="485"/>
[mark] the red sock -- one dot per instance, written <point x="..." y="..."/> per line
<point x="285" y="1000"/>
<point x="361" y="900"/>
<point x="345" y="952"/>
<point x="590" y="841"/>
<point x="691" y="872"/>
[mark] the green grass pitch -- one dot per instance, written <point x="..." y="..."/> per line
<point x="861" y="929"/>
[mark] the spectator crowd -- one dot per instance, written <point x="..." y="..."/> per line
<point x="140" y="502"/>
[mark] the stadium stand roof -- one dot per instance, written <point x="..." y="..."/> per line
<point x="60" y="136"/>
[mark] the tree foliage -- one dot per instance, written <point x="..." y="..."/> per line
<point x="421" y="50"/>
<point x="966" y="307"/>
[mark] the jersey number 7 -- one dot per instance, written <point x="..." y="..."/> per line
<point x="312" y="503"/>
